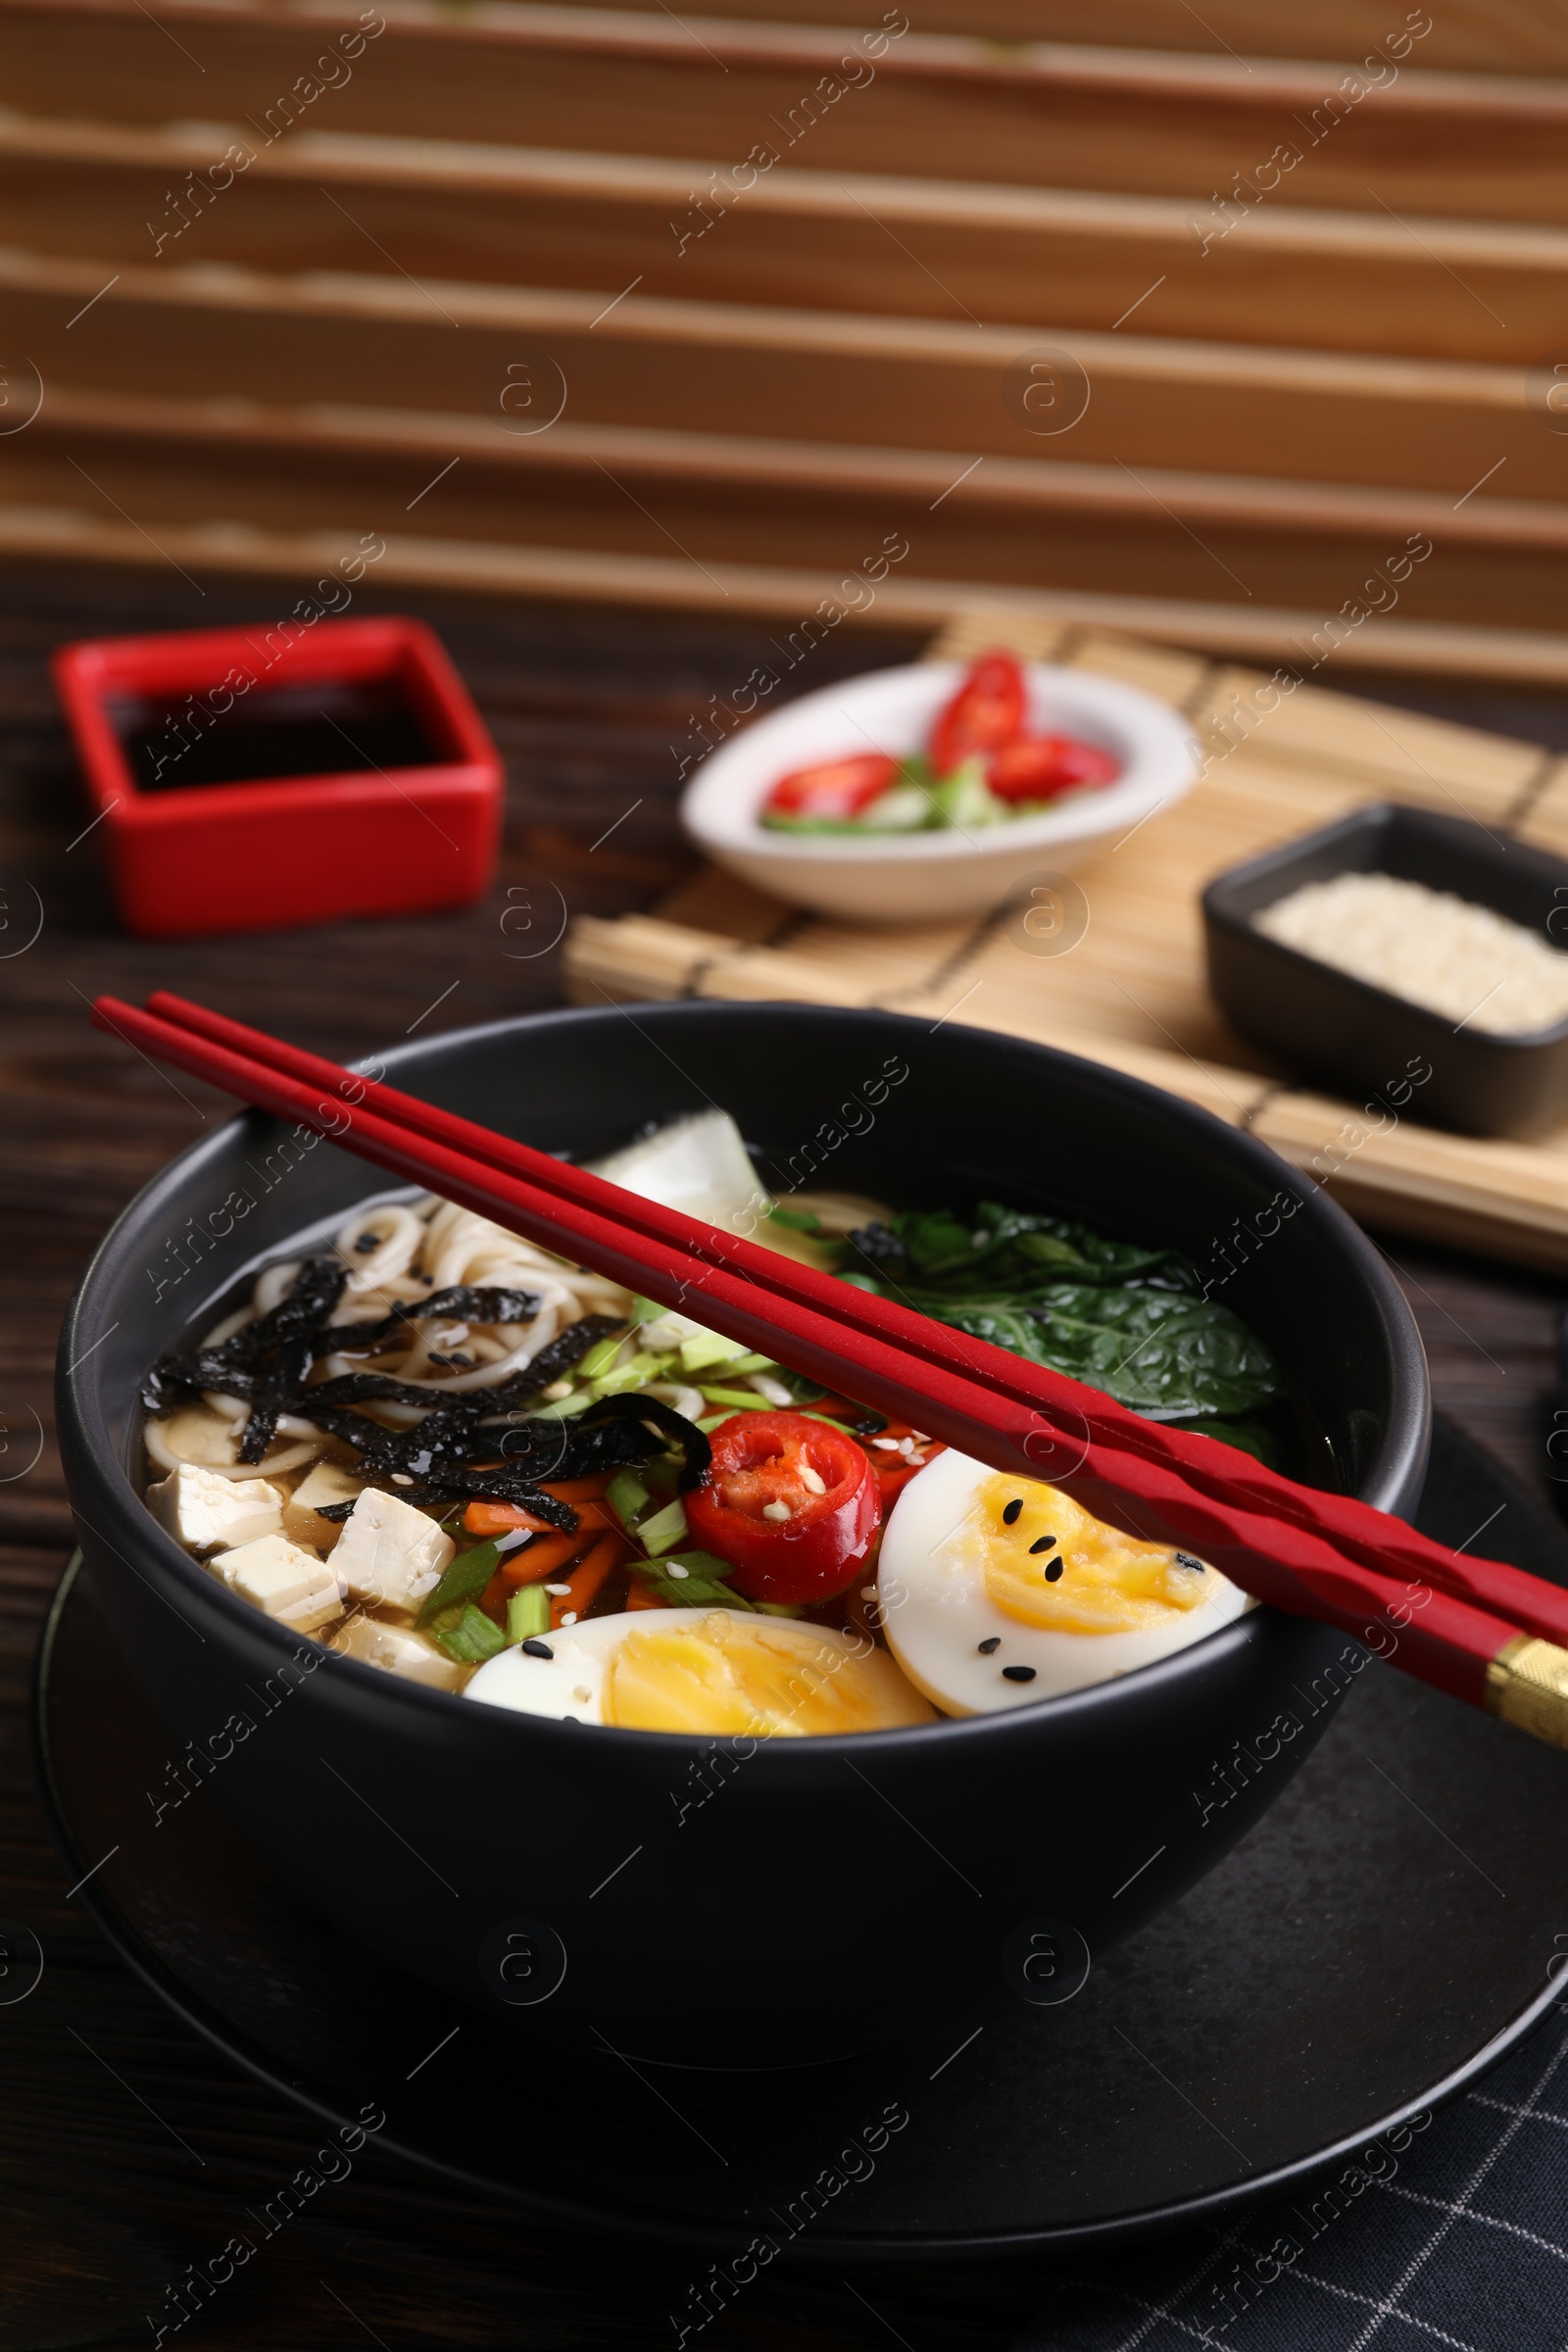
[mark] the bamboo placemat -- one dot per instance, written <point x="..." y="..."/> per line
<point x="1132" y="993"/>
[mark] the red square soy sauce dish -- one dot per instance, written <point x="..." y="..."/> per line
<point x="249" y="780"/>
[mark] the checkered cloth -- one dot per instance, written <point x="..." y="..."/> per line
<point x="1458" y="2236"/>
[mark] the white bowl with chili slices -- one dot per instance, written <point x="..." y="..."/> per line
<point x="937" y="788"/>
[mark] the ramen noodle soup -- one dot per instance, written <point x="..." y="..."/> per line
<point x="446" y="1454"/>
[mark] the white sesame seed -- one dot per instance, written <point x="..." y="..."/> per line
<point x="886" y="1444"/>
<point x="557" y="1591"/>
<point x="582" y="1695"/>
<point x="868" y="1592"/>
<point x="570" y="1617"/>
<point x="673" y="1568"/>
<point x="398" y="1479"/>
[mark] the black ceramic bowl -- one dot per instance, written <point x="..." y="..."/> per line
<point x="718" y="1903"/>
<point x="1351" y="1034"/>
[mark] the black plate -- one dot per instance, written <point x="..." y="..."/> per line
<point x="1380" y="1937"/>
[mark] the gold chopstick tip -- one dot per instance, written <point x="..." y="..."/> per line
<point x="1527" y="1686"/>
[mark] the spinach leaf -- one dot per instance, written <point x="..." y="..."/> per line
<point x="1247" y="1437"/>
<point x="1162" y="1353"/>
<point x="1008" y="1251"/>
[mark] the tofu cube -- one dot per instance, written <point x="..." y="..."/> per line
<point x="325" y="1482"/>
<point x="398" y="1651"/>
<point x="388" y="1551"/>
<point x="203" y="1509"/>
<point x="285" y="1583"/>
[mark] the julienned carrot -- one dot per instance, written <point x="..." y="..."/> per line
<point x="582" y="1585"/>
<point x="576" y="1490"/>
<point x="540" y="1558"/>
<point x="640" y="1597"/>
<point x="493" y="1599"/>
<point x="500" y="1518"/>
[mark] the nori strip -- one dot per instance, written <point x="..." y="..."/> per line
<point x="463" y="1304"/>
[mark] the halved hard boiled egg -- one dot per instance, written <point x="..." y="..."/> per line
<point x="995" y="1590"/>
<point x="712" y="1671"/>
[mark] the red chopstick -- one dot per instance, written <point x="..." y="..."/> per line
<point x="1019" y="1418"/>
<point x="1070" y="1410"/>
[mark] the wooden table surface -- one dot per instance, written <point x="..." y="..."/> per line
<point x="127" y="2148"/>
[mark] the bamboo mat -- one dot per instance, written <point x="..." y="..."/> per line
<point x="1132" y="993"/>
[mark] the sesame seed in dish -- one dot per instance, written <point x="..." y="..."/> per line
<point x="1429" y="947"/>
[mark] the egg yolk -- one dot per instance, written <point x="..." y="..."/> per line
<point x="1103" y="1582"/>
<point x="758" y="1678"/>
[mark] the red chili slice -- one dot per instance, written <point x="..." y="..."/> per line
<point x="759" y="1461"/>
<point x="987" y="711"/>
<point x="893" y="1469"/>
<point x="1038" y="766"/>
<point x="835" y="789"/>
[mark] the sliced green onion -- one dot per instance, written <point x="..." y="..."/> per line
<point x="665" y="1528"/>
<point x="740" y="1401"/>
<point x="599" y="1359"/>
<point x="803" y="1220"/>
<point x="752" y="1363"/>
<point x="626" y="1495"/>
<point x="528" y="1614"/>
<point x="635" y="1375"/>
<point x="702" y="1586"/>
<point x="578" y="1402"/>
<point x="474" y="1638"/>
<point x="705" y="1348"/>
<point x="465" y="1580"/>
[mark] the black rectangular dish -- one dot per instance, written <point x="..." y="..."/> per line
<point x="1351" y="1034"/>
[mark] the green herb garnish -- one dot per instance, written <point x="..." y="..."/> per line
<point x="665" y="1528"/>
<point x="465" y="1580"/>
<point x="797" y="1219"/>
<point x="474" y="1638"/>
<point x="626" y="1495"/>
<point x="528" y="1614"/>
<point x="702" y="1586"/>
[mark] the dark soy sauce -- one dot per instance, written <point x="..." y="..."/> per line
<point x="329" y="728"/>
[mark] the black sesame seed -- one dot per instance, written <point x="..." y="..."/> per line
<point x="986" y="1647"/>
<point x="1052" y="1572"/>
<point x="536" y="1649"/>
<point x="1041" y="1543"/>
<point x="366" y="1243"/>
<point x="1011" y="1514"/>
<point x="1017" y="1674"/>
<point x="1185" y="1559"/>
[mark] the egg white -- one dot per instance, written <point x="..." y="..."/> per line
<point x="936" y="1612"/>
<point x="570" y="1684"/>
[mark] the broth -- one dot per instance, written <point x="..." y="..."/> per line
<point x="441" y="1451"/>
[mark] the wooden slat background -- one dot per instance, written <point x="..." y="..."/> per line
<point x="773" y="370"/>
